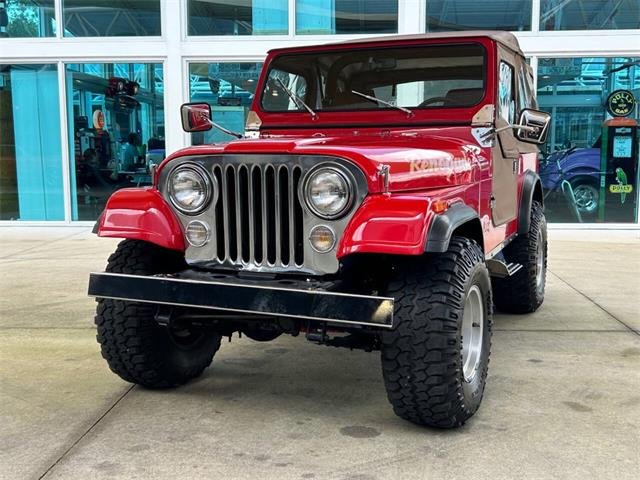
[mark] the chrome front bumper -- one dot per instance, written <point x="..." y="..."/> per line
<point x="268" y="297"/>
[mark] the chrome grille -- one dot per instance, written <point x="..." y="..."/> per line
<point x="257" y="221"/>
<point x="258" y="216"/>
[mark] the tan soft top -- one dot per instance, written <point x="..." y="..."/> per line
<point x="505" y="38"/>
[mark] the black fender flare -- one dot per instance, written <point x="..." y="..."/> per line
<point x="96" y="226"/>
<point x="443" y="225"/>
<point x="531" y="190"/>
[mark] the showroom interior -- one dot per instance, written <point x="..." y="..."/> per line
<point x="90" y="92"/>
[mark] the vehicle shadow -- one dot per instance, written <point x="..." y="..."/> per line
<point x="302" y="381"/>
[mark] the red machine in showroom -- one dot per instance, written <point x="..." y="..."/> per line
<point x="383" y="197"/>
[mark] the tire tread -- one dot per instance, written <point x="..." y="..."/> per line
<point x="421" y="359"/>
<point x="518" y="293"/>
<point x="127" y="331"/>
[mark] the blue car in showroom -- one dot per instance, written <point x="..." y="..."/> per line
<point x="574" y="173"/>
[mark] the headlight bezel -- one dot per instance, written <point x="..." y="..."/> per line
<point x="208" y="185"/>
<point x="345" y="175"/>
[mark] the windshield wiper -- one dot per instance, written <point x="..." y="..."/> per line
<point x="384" y="102"/>
<point x="298" y="101"/>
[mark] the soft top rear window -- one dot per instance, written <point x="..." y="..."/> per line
<point x="427" y="76"/>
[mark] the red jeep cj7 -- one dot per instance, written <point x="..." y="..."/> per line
<point x="383" y="197"/>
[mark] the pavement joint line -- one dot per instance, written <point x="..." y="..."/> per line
<point x="45" y="328"/>
<point x="66" y="237"/>
<point x="551" y="330"/>
<point x="14" y="258"/>
<point x="631" y="329"/>
<point x="68" y="450"/>
<point x="61" y="303"/>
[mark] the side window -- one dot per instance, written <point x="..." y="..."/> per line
<point x="276" y="98"/>
<point x="523" y="97"/>
<point x="506" y="93"/>
<point x="532" y="97"/>
<point x="525" y="89"/>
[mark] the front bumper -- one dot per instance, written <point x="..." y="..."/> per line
<point x="267" y="297"/>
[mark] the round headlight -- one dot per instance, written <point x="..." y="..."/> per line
<point x="328" y="192"/>
<point x="189" y="189"/>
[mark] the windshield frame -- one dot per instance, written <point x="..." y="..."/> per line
<point x="382" y="108"/>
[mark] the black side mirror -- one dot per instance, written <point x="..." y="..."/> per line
<point x="535" y="126"/>
<point x="196" y="117"/>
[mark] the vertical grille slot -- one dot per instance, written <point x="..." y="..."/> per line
<point x="219" y="216"/>
<point x="258" y="217"/>
<point x="255" y="189"/>
<point x="284" y="213"/>
<point x="297" y="219"/>
<point x="229" y="191"/>
<point x="243" y="213"/>
<point x="270" y="201"/>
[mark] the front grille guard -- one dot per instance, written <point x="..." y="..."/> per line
<point x="258" y="218"/>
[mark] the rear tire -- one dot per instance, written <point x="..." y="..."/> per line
<point x="134" y="345"/>
<point x="523" y="292"/>
<point x="431" y="374"/>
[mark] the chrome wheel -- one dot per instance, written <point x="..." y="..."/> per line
<point x="472" y="330"/>
<point x="586" y="196"/>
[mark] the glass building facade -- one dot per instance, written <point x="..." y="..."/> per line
<point x="238" y="17"/>
<point x="31" y="186"/>
<point x="577" y="163"/>
<point x="116" y="130"/>
<point x="112" y="18"/>
<point x="453" y="15"/>
<point x="28" y="19"/>
<point x="90" y="91"/>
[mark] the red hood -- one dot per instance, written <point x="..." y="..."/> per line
<point x="416" y="160"/>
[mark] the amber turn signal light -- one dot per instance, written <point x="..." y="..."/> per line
<point x="439" y="206"/>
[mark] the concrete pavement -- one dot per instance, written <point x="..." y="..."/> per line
<point x="563" y="398"/>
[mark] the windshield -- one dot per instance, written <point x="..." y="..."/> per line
<point x="433" y="76"/>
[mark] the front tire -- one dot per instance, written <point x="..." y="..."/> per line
<point x="435" y="360"/>
<point x="134" y="345"/>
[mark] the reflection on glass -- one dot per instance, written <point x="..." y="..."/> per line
<point x="449" y="15"/>
<point x="116" y="130"/>
<point x="30" y="147"/>
<point x="589" y="14"/>
<point x="113" y="18"/>
<point x="586" y="174"/>
<point x="238" y="17"/>
<point x="29" y="18"/>
<point x="229" y="88"/>
<point x="323" y="17"/>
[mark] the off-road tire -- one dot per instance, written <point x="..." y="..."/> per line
<point x="521" y="292"/>
<point x="422" y="354"/>
<point x="134" y="345"/>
